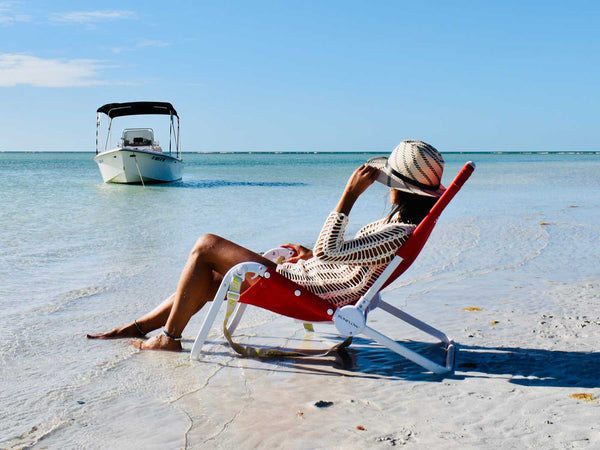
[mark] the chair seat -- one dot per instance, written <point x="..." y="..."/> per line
<point x="282" y="296"/>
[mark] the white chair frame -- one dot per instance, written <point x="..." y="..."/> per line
<point x="349" y="320"/>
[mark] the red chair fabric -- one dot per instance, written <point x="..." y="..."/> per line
<point x="278" y="294"/>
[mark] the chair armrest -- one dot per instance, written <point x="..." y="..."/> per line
<point x="279" y="254"/>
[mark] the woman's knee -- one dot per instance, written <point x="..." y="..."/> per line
<point x="206" y="244"/>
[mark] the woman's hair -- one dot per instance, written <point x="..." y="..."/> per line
<point x="412" y="208"/>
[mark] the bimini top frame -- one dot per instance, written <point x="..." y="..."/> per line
<point x="113" y="110"/>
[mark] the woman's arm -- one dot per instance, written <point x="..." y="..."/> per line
<point x="373" y="248"/>
<point x="359" y="181"/>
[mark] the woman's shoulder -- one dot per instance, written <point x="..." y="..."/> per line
<point x="400" y="226"/>
<point x="387" y="225"/>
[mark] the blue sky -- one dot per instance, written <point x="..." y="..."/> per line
<point x="307" y="75"/>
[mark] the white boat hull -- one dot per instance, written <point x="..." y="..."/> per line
<point x="137" y="166"/>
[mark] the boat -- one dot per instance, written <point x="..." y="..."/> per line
<point x="138" y="157"/>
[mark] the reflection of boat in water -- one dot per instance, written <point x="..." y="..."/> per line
<point x="138" y="158"/>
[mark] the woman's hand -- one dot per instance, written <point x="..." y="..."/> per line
<point x="359" y="181"/>
<point x="300" y="253"/>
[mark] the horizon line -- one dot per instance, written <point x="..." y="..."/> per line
<point x="330" y="152"/>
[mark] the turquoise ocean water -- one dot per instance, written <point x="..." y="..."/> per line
<point x="78" y="255"/>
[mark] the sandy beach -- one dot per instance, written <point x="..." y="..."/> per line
<point x="523" y="380"/>
<point x="528" y="381"/>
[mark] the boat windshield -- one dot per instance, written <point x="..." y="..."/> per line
<point x="138" y="136"/>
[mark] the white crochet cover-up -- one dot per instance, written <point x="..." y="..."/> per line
<point x="340" y="271"/>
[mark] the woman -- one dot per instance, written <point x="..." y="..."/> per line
<point x="338" y="270"/>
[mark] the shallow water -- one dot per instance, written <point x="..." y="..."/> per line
<point x="79" y="256"/>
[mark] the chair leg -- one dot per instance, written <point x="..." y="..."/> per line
<point x="207" y="323"/>
<point x="426" y="328"/>
<point x="239" y="270"/>
<point x="410" y="354"/>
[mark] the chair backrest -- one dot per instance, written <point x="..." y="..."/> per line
<point x="415" y="243"/>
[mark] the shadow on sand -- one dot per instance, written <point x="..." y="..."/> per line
<point x="522" y="366"/>
<point x="530" y="366"/>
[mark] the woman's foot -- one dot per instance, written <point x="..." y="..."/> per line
<point x="128" y="331"/>
<point x="159" y="342"/>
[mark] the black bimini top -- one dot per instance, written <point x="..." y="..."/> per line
<point x="135" y="108"/>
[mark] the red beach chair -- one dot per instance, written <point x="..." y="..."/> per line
<point x="282" y="296"/>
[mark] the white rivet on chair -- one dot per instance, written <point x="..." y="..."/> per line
<point x="267" y="275"/>
<point x="297" y="293"/>
<point x="329" y="312"/>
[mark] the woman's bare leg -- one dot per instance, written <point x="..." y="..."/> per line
<point x="196" y="285"/>
<point x="148" y="322"/>
<point x="152" y="320"/>
<point x="210" y="259"/>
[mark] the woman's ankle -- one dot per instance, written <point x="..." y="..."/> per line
<point x="139" y="329"/>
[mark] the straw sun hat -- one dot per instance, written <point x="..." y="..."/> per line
<point x="414" y="167"/>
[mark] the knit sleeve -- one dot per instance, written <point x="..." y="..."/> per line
<point x="374" y="245"/>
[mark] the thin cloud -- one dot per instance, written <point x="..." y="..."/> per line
<point x="9" y="16"/>
<point x="143" y="43"/>
<point x="88" y="17"/>
<point x="18" y="69"/>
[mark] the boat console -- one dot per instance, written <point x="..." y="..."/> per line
<point x="138" y="137"/>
